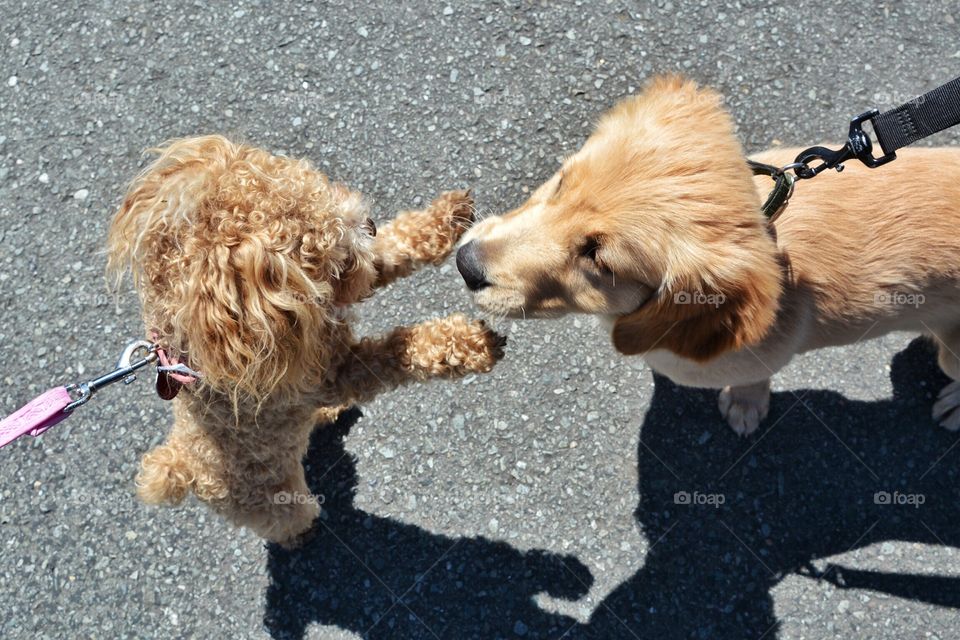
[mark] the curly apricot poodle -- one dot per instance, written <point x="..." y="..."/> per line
<point x="246" y="264"/>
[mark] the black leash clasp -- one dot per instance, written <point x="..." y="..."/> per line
<point x="859" y="146"/>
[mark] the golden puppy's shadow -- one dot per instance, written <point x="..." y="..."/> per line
<point x="729" y="518"/>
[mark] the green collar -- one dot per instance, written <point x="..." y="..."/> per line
<point x="782" y="189"/>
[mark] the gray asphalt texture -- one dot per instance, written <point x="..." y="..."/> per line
<point x="537" y="501"/>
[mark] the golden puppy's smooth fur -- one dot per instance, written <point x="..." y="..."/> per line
<point x="246" y="264"/>
<point x="655" y="223"/>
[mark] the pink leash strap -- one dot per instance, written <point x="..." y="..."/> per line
<point x="36" y="416"/>
<point x="54" y="405"/>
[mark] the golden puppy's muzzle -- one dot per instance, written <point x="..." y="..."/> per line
<point x="470" y="266"/>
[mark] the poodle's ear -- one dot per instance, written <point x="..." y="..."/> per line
<point x="253" y="318"/>
<point x="160" y="201"/>
<point x="233" y="252"/>
<point x="698" y="321"/>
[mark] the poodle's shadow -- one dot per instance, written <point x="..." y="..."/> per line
<point x="726" y="520"/>
<point x="380" y="578"/>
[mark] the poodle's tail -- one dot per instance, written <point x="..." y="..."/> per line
<point x="165" y="477"/>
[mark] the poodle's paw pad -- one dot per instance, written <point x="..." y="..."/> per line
<point x="475" y="349"/>
<point x="468" y="346"/>
<point x="946" y="410"/>
<point x="744" y="408"/>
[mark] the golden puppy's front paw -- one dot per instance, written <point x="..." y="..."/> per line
<point x="946" y="410"/>
<point x="745" y="407"/>
<point x="455" y="346"/>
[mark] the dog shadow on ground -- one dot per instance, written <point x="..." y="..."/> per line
<point x="380" y="578"/>
<point x="824" y="475"/>
<point x="726" y="520"/>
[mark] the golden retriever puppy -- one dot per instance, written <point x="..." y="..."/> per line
<point x="246" y="264"/>
<point x="655" y="224"/>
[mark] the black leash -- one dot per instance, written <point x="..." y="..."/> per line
<point x="919" y="118"/>
<point x="929" y="114"/>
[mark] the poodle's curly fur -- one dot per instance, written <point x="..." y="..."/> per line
<point x="246" y="263"/>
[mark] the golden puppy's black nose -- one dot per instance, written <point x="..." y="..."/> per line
<point x="470" y="267"/>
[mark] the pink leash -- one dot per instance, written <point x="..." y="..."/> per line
<point x="36" y="416"/>
<point x="57" y="404"/>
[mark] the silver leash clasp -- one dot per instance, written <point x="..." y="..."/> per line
<point x="136" y="355"/>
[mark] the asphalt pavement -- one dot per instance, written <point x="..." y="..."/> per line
<point x="569" y="493"/>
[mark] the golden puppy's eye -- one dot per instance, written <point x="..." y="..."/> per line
<point x="590" y="249"/>
<point x="559" y="183"/>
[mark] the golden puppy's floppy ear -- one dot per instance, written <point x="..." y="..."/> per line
<point x="719" y="267"/>
<point x="702" y="322"/>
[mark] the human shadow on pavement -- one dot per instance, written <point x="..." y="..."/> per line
<point x="727" y="518"/>
<point x="381" y="578"/>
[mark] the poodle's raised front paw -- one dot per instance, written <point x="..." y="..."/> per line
<point x="473" y="347"/>
<point x="946" y="410"/>
<point x="452" y="213"/>
<point x="487" y="350"/>
<point x="745" y="407"/>
<point x="426" y="236"/>
<point x="455" y="346"/>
